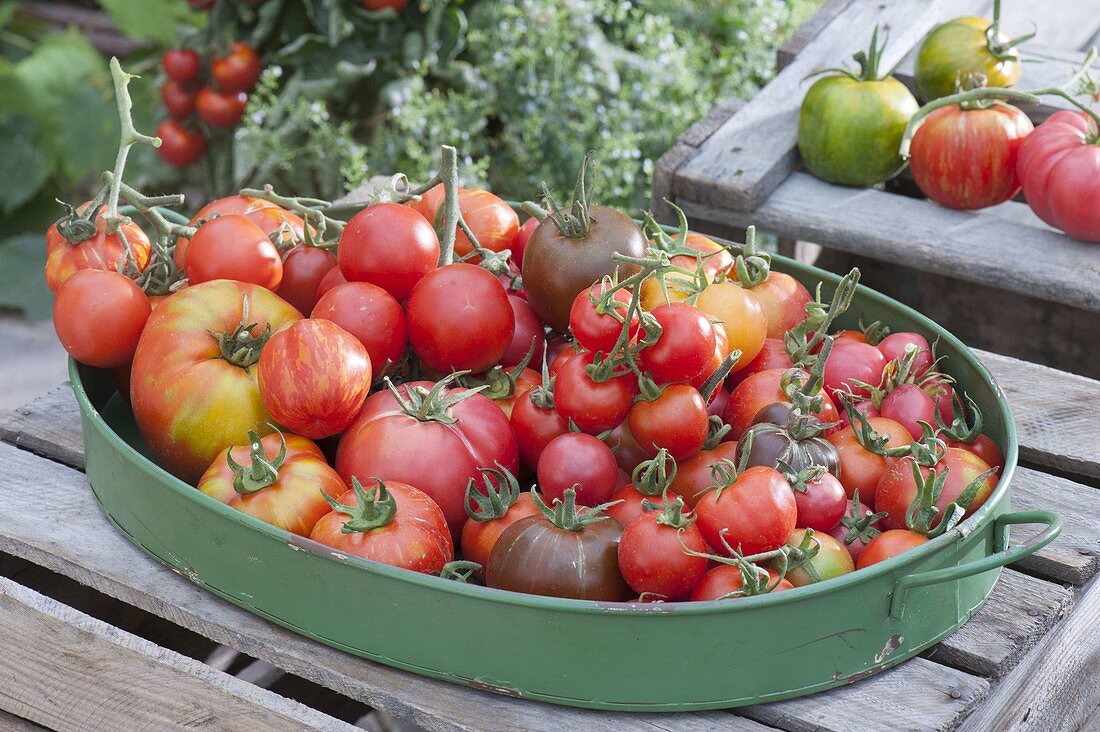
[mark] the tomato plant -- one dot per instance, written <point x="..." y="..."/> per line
<point x="99" y="316"/>
<point x="79" y="240"/>
<point x="231" y="247"/>
<point x="370" y="314"/>
<point x="578" y="462"/>
<point x="388" y="245"/>
<point x="651" y="559"/>
<point x="220" y="109"/>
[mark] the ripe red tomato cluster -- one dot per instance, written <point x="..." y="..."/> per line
<point x="218" y="98"/>
<point x="679" y="427"/>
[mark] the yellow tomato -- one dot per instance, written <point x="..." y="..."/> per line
<point x="742" y="315"/>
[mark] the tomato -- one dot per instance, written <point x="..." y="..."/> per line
<point x="99" y="316"/>
<point x="966" y="158"/>
<point x="1059" y="168"/>
<point x="459" y="318"/>
<point x="727" y="583"/>
<point x="677" y="421"/>
<point x="908" y="405"/>
<point x="628" y="453"/>
<point x="528" y="331"/>
<point x="742" y="315"/>
<point x="893" y="348"/>
<point x="850" y="361"/>
<point x="519" y="243"/>
<point x="684" y="348"/>
<point x="888" y="545"/>
<point x="985" y="448"/>
<point x="388" y="522"/>
<point x="832" y="560"/>
<point x="755" y="513"/>
<point x="303" y="269"/>
<point x="592" y="406"/>
<point x="181" y="65"/>
<point x="179" y="99"/>
<point x="856" y="529"/>
<point x="560" y="554"/>
<point x="580" y="462"/>
<point x="277" y="223"/>
<point x="628" y="503"/>
<point x="231" y="247"/>
<point x="943" y="394"/>
<point x="371" y="315"/>
<point x="286" y="492"/>
<point x="388" y="245"/>
<point x="716" y="261"/>
<point x="220" y="109"/>
<point x="784" y="301"/>
<point x="179" y="146"/>
<point x="561" y="355"/>
<point x="595" y="329"/>
<point x="897" y="488"/>
<point x="314" y="377"/>
<point x="397" y="5"/>
<point x="821" y="501"/>
<point x="860" y="468"/>
<point x="961" y="47"/>
<point x="761" y="390"/>
<point x="493" y="221"/>
<point x="651" y="558"/>
<point x="86" y="249"/>
<point x="850" y="127"/>
<point x="773" y="355"/>
<point x="239" y="70"/>
<point x="438" y="447"/>
<point x="693" y="476"/>
<point x="193" y="387"/>
<point x="535" y="423"/>
<point x="331" y="279"/>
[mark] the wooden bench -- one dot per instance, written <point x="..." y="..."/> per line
<point x="95" y="634"/>
<point x="999" y="278"/>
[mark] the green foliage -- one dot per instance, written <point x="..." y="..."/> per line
<point x="151" y="20"/>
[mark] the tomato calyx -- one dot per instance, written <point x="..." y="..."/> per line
<point x="242" y="347"/>
<point x="498" y="497"/>
<point x="868" y="62"/>
<point x="804" y="338"/>
<point x="961" y="429"/>
<point x="565" y="516"/>
<point x="1000" y="47"/>
<point x="577" y="221"/>
<point x="751" y="266"/>
<point x="654" y="476"/>
<point x="261" y="472"/>
<point x="799" y="479"/>
<point x="77" y="227"/>
<point x="374" y="509"/>
<point x="923" y="517"/>
<point x="860" y="527"/>
<point x="725" y="472"/>
<point x="434" y="404"/>
<point x="927" y="452"/>
<point x="670" y="513"/>
<point x="866" y="435"/>
<point x="716" y="432"/>
<point x="542" y="396"/>
<point x="901" y="371"/>
<point x="460" y="570"/>
<point x="499" y="382"/>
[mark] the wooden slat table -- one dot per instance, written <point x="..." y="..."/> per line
<point x="999" y="278"/>
<point x="93" y="633"/>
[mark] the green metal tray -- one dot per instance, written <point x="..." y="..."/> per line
<point x="623" y="656"/>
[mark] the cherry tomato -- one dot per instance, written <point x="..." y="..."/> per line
<point x="861" y="469"/>
<point x="598" y="331"/>
<point x="685" y="347"/>
<point x="397" y="5"/>
<point x="579" y="461"/>
<point x="99" y="251"/>
<point x="479" y="537"/>
<point x="233" y="248"/>
<point x="716" y="260"/>
<point x="742" y="315"/>
<point x="888" y="545"/>
<point x="528" y="330"/>
<point x="756" y="513"/>
<point x="388" y="245"/>
<point x="179" y="146"/>
<point x="519" y="244"/>
<point x="370" y="314"/>
<point x="677" y="420"/>
<point x="239" y="70"/>
<point x="181" y="65"/>
<point x="908" y="405"/>
<point x="761" y="390"/>
<point x="985" y="448"/>
<point x="897" y="489"/>
<point x="303" y="269"/>
<point x="893" y="348"/>
<point x="821" y="505"/>
<point x="723" y="581"/>
<point x="459" y="319"/>
<point x="534" y="427"/>
<point x="179" y="99"/>
<point x="628" y="503"/>
<point x="652" y="561"/>
<point x="774" y="355"/>
<point x="593" y="406"/>
<point x="693" y="476"/>
<point x="832" y="560"/>
<point x="280" y="225"/>
<point x="784" y="301"/>
<point x="220" y="109"/>
<point x="628" y="453"/>
<point x="850" y="361"/>
<point x="99" y="317"/>
<point x="493" y="221"/>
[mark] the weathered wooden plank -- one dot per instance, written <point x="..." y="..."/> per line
<point x="1075" y="555"/>
<point x="754" y="151"/>
<point x="806" y="32"/>
<point x="12" y="723"/>
<point x="32" y="360"/>
<point x="1017" y="614"/>
<point x="917" y="695"/>
<point x="1054" y="688"/>
<point x="69" y="671"/>
<point x="87" y="548"/>
<point x="50" y="426"/>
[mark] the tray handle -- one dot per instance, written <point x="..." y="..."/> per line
<point x="1001" y="555"/>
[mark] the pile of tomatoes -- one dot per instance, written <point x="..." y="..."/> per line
<point x="576" y="405"/>
<point x="217" y="96"/>
<point x="968" y="147"/>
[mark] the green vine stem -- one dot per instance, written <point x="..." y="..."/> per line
<point x="868" y="62"/>
<point x="860" y="526"/>
<point x="460" y="570"/>
<point x="129" y="136"/>
<point x="312" y="211"/>
<point x="998" y="48"/>
<point x="805" y="336"/>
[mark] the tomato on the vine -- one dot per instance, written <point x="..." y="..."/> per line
<point x="695" y="475"/>
<point x="181" y="65"/>
<point x="238" y="70"/>
<point x="493" y="221"/>
<point x="761" y="390"/>
<point x="677" y="421"/>
<point x="180" y="146"/>
<point x="861" y="468"/>
<point x="220" y="109"/>
<point x="831" y="560"/>
<point x="685" y="347"/>
<point x="73" y="243"/>
<point x="594" y="406"/>
<point x="598" y="330"/>
<point x="535" y="423"/>
<point x="231" y="247"/>
<point x="488" y="522"/>
<point x="388" y="245"/>
<point x="851" y="361"/>
<point x="179" y="99"/>
<point x="821" y="501"/>
<point x="898" y="488"/>
<point x="99" y="317"/>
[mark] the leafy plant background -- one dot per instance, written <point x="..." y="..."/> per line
<point x="522" y="87"/>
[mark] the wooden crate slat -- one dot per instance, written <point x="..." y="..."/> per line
<point x="755" y="150"/>
<point x="12" y="723"/>
<point x="1075" y="555"/>
<point x="50" y="426"/>
<point x="70" y="671"/>
<point x="806" y="32"/>
<point x="87" y="548"/>
<point x="916" y="695"/>
<point x="1055" y="686"/>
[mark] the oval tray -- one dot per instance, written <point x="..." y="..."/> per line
<point x="640" y="657"/>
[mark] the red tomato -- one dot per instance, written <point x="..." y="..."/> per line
<point x="896" y="489"/>
<point x="628" y="453"/>
<point x="179" y="99"/>
<point x="303" y="269"/>
<point x="985" y="448"/>
<point x="593" y="406"/>
<point x="908" y="405"/>
<point x="493" y="221"/>
<point x="179" y="145"/>
<point x="850" y="361"/>
<point x="579" y="461"/>
<point x="966" y="158"/>
<point x="760" y="390"/>
<point x="220" y="109"/>
<point x="677" y="421"/>
<point x="520" y="242"/>
<point x="528" y="330"/>
<point x="239" y="70"/>
<point x="101" y="250"/>
<point x="685" y="347"/>
<point x="1059" y="168"/>
<point x="861" y="469"/>
<point x="757" y="513"/>
<point x="193" y="387"/>
<point x="181" y="65"/>
<point x="388" y="245"/>
<point x="479" y="537"/>
<point x="437" y="449"/>
<point x="784" y="301"/>
<point x="599" y="331"/>
<point x="893" y="348"/>
<point x="726" y="583"/>
<point x="233" y="248"/>
<point x="291" y="497"/>
<point x="888" y="545"/>
<point x="314" y="377"/>
<point x="331" y="279"/>
<point x="821" y="505"/>
<point x="397" y="5"/>
<point x="693" y="476"/>
<point x="277" y="223"/>
<point x="534" y="427"/>
<point x="99" y="316"/>
<point x="774" y="355"/>
<point x="460" y="319"/>
<point x="370" y="314"/>
<point x="628" y="503"/>
<point x="389" y="522"/>
<point x="652" y="560"/>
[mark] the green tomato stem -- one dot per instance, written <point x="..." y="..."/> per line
<point x="128" y="137"/>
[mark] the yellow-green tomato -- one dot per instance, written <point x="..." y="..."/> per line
<point x="850" y="130"/>
<point x="959" y="48"/>
<point x="832" y="559"/>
